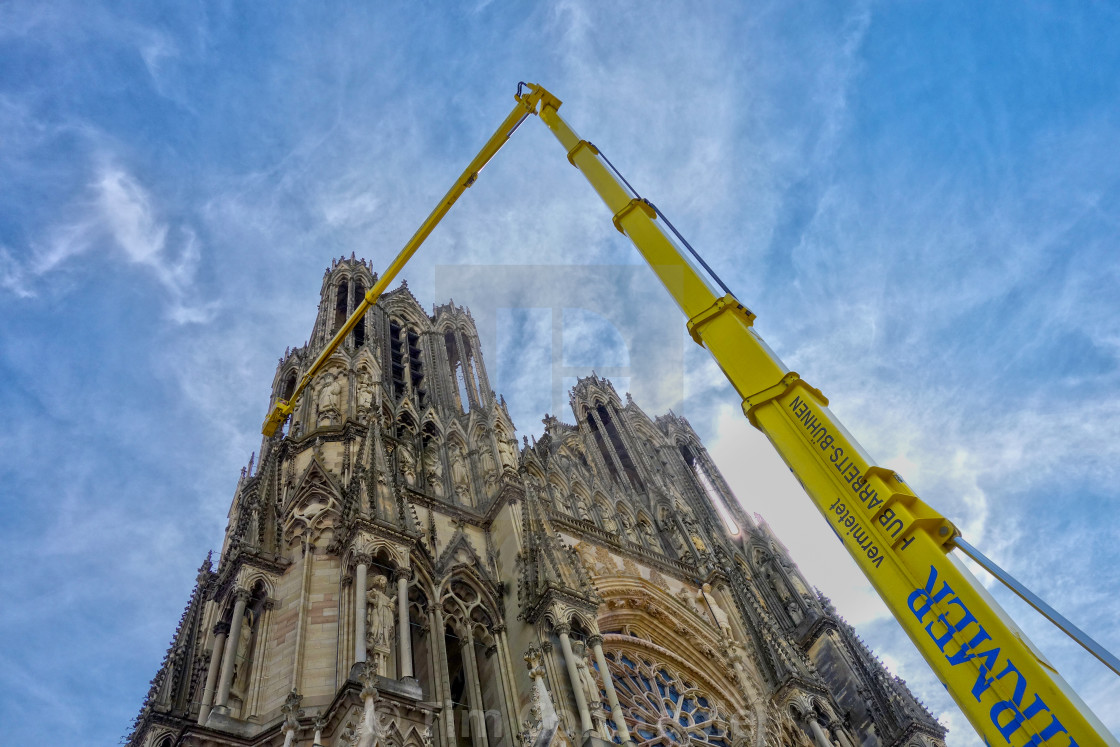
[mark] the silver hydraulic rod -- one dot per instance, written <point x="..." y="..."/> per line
<point x="1051" y="614"/>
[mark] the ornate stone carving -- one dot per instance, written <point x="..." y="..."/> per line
<point x="380" y="617"/>
<point x="639" y="536"/>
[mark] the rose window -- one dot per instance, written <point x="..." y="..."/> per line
<point x="661" y="708"/>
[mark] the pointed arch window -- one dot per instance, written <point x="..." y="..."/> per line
<point x="341" y="303"/>
<point x="289" y="387"/>
<point x="406" y="362"/>
<point x="464" y="368"/>
<point x="592" y="423"/>
<point x="609" y="433"/>
<point x="700" y="471"/>
<point x="359" y="333"/>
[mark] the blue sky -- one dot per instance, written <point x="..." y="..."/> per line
<point x="920" y="200"/>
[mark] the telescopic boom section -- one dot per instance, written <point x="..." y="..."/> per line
<point x="525" y="106"/>
<point x="1005" y="687"/>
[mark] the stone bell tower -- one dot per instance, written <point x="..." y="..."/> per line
<point x="398" y="570"/>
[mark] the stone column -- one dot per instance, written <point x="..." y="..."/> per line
<point x="477" y="715"/>
<point x="562" y="630"/>
<point x="818" y="733"/>
<point x="320" y="724"/>
<point x="505" y="669"/>
<point x="360" y="608"/>
<point x="220" y="631"/>
<point x="441" y="670"/>
<point x="405" y="630"/>
<point x="841" y="736"/>
<point x="596" y="644"/>
<point x="230" y="655"/>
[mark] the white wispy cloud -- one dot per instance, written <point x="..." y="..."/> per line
<point x="116" y="219"/>
<point x="947" y="281"/>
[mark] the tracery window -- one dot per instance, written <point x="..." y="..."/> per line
<point x="701" y="472"/>
<point x="359" y="333"/>
<point x="662" y="708"/>
<point x="407" y="366"/>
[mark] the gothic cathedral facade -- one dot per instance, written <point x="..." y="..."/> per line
<point x="399" y="570"/>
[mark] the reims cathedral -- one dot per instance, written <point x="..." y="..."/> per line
<point x="399" y="570"/>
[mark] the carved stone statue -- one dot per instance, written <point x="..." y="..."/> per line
<point x="380" y="611"/>
<point x="407" y="464"/>
<point x="698" y="543"/>
<point x="459" y="474"/>
<point x="488" y="466"/>
<point x="608" y="521"/>
<point x="330" y="395"/>
<point x="794" y="612"/>
<point x="364" y="393"/>
<point x="626" y="527"/>
<point x="678" y="545"/>
<point x="433" y="468"/>
<point x="506" y="452"/>
<point x="584" y="509"/>
<point x="799" y="586"/>
<point x="587" y="684"/>
<point x="779" y="587"/>
<point x="241" y="663"/>
<point x="648" y="536"/>
<point x="719" y="617"/>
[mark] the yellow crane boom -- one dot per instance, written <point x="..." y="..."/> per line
<point x="1002" y="683"/>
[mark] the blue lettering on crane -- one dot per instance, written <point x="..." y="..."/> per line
<point x="845" y="465"/>
<point x="853" y="529"/>
<point x="965" y="637"/>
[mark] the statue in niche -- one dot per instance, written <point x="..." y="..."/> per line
<point x="587" y="684"/>
<point x="799" y="586"/>
<point x="407" y="464"/>
<point x="559" y="500"/>
<point x="692" y="528"/>
<point x="626" y="527"/>
<point x="364" y="394"/>
<point x="779" y="588"/>
<point x="506" y="453"/>
<point x="489" y="468"/>
<point x="584" y="508"/>
<point x="459" y="474"/>
<point x="433" y="468"/>
<point x="679" y="547"/>
<point x="490" y="472"/>
<point x="330" y="395"/>
<point x="609" y="523"/>
<point x="698" y="543"/>
<point x="794" y="612"/>
<point x="380" y="611"/>
<point x="241" y="661"/>
<point x="648" y="536"/>
<point x="719" y="617"/>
